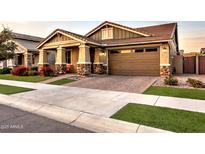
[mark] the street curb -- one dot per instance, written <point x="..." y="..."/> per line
<point x="76" y="118"/>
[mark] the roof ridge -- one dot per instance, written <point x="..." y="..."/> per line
<point x="157" y="25"/>
<point x="20" y="36"/>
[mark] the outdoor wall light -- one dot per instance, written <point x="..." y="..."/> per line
<point x="102" y="53"/>
<point x="164" y="49"/>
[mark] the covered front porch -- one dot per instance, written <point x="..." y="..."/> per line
<point x="62" y="49"/>
<point x="83" y="59"/>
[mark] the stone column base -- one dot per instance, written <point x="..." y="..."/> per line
<point x="165" y="71"/>
<point x="60" y="68"/>
<point x="98" y="69"/>
<point x="84" y="69"/>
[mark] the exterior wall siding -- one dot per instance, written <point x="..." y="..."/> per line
<point x="117" y="34"/>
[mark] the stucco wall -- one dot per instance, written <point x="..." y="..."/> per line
<point x="178" y="64"/>
<point x="74" y="57"/>
<point x="164" y="55"/>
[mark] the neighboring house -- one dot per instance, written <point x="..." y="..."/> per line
<point x="202" y="50"/>
<point x="26" y="51"/>
<point x="114" y="49"/>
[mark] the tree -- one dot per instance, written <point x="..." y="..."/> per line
<point x="7" y="46"/>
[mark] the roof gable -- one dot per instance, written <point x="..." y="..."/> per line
<point x="112" y="24"/>
<point x="61" y="35"/>
<point x="69" y="35"/>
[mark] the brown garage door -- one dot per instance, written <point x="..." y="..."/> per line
<point x="201" y="64"/>
<point x="189" y="65"/>
<point x="146" y="63"/>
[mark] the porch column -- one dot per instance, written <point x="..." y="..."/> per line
<point x="98" y="61"/>
<point x="43" y="58"/>
<point x="60" y="64"/>
<point x="84" y="64"/>
<point x="164" y="60"/>
<point x="27" y="59"/>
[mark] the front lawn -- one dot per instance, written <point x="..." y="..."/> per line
<point x="163" y="118"/>
<point x="23" y="78"/>
<point x="5" y="89"/>
<point x="62" y="81"/>
<point x="176" y="92"/>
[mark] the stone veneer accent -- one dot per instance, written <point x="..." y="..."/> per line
<point x="99" y="69"/>
<point x="165" y="70"/>
<point x="60" y="68"/>
<point x="84" y="69"/>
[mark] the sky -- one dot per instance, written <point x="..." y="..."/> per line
<point x="191" y="33"/>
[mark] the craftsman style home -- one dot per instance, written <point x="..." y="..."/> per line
<point x="26" y="53"/>
<point x="113" y="49"/>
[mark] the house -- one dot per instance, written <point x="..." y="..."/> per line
<point x="113" y="49"/>
<point x="26" y="53"/>
<point x="202" y="51"/>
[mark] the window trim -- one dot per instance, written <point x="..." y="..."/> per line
<point x="105" y="33"/>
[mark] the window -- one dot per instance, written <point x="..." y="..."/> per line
<point x="139" y="50"/>
<point x="114" y="51"/>
<point x="107" y="33"/>
<point x="68" y="56"/>
<point x="151" y="49"/>
<point x="126" y="51"/>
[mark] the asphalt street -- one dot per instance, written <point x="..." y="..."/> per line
<point x="17" y="121"/>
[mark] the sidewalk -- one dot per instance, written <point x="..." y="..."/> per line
<point x="76" y="118"/>
<point x="57" y="78"/>
<point x="101" y="102"/>
<point x="74" y="104"/>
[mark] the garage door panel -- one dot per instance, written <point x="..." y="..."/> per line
<point x="135" y="64"/>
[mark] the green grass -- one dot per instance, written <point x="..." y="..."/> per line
<point x="62" y="81"/>
<point x="163" y="118"/>
<point x="176" y="92"/>
<point x="5" y="89"/>
<point x="23" y="78"/>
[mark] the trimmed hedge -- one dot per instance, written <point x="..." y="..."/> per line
<point x="5" y="70"/>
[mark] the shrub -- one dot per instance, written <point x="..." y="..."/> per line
<point x="46" y="71"/>
<point x="195" y="83"/>
<point x="69" y="68"/>
<point x="5" y="70"/>
<point x="34" y="68"/>
<point x="170" y="80"/>
<point x="20" y="71"/>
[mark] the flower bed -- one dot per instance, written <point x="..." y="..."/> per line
<point x="182" y="81"/>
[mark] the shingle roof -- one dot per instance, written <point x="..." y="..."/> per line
<point x="27" y="41"/>
<point x="165" y="30"/>
<point x="154" y="33"/>
<point x="27" y="37"/>
<point x="159" y="32"/>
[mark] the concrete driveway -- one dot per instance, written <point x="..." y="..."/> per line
<point x="133" y="84"/>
